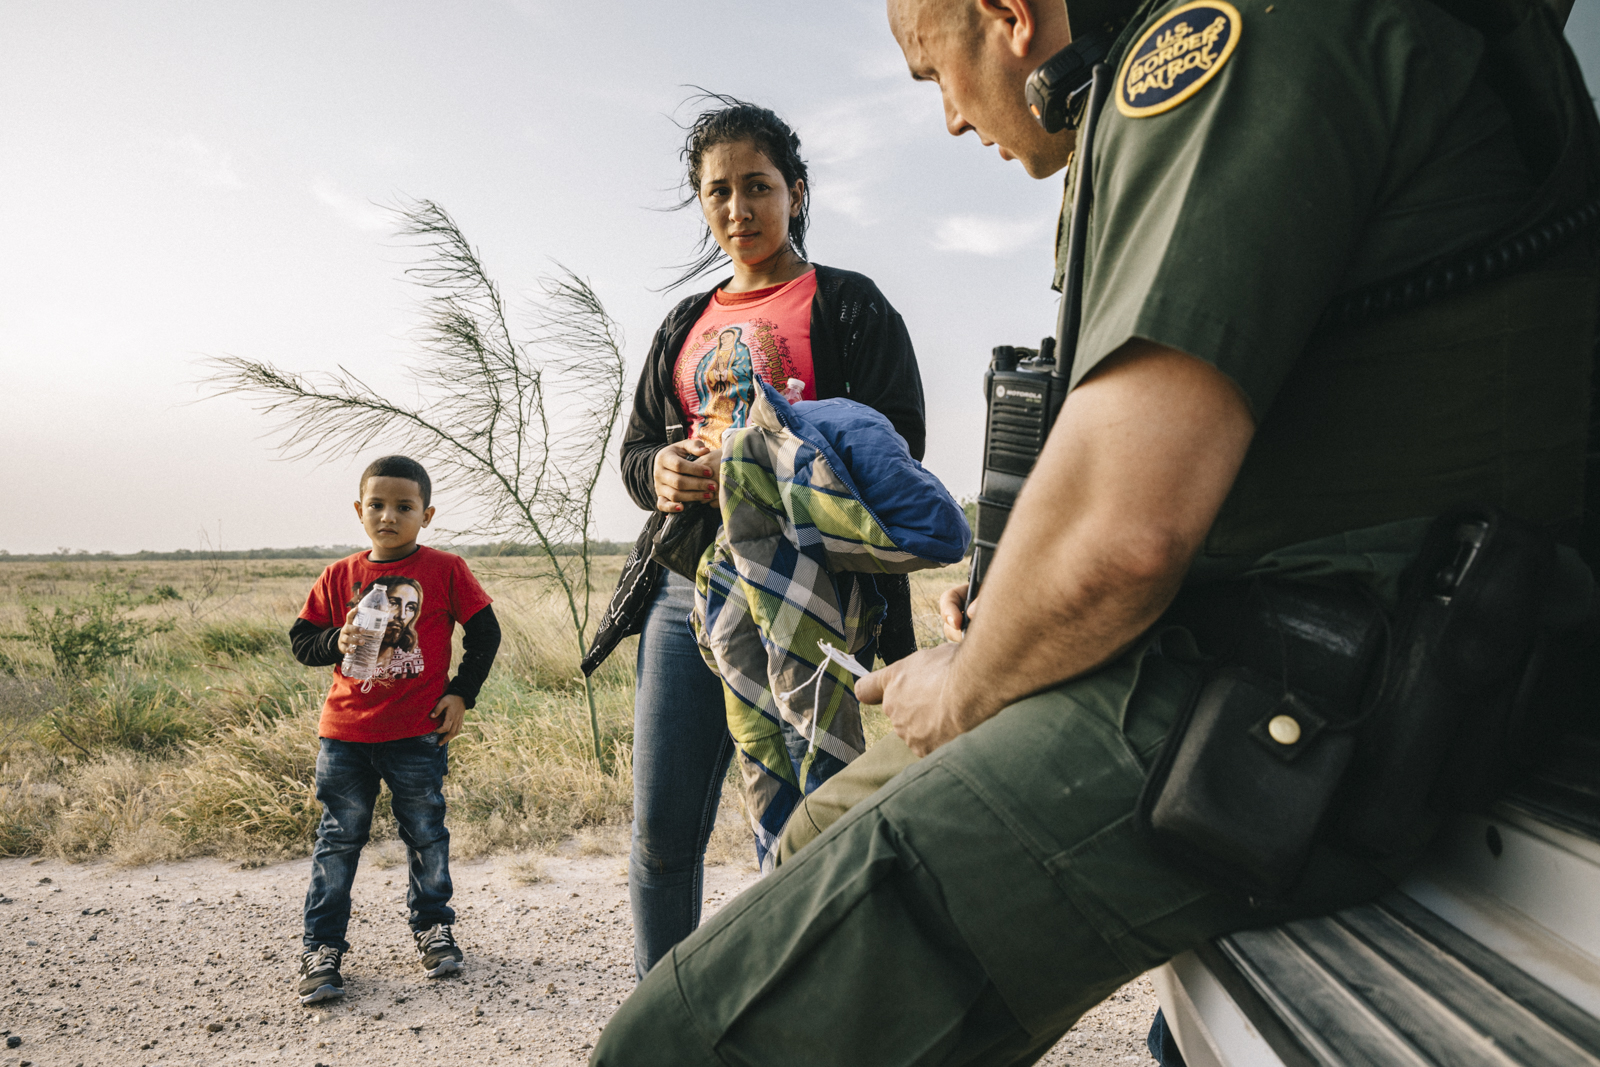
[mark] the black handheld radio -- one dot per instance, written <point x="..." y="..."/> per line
<point x="1024" y="388"/>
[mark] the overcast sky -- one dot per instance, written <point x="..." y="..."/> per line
<point x="181" y="180"/>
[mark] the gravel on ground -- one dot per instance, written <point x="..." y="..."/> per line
<point x="194" y="963"/>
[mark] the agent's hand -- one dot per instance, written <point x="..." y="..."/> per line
<point x="955" y="613"/>
<point x="686" y="473"/>
<point x="911" y="691"/>
<point x="350" y="635"/>
<point x="451" y="711"/>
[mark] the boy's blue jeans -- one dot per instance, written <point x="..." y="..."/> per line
<point x="348" y="774"/>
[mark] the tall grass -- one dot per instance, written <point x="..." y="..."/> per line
<point x="203" y="741"/>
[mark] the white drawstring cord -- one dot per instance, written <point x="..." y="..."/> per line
<point x="843" y="659"/>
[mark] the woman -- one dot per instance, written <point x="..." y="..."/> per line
<point x="778" y="318"/>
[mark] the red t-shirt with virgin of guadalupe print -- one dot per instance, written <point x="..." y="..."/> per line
<point x="429" y="592"/>
<point x="765" y="333"/>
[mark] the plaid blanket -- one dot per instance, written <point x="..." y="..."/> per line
<point x="789" y="571"/>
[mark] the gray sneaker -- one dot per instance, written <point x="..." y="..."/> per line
<point x="437" y="951"/>
<point x="319" y="975"/>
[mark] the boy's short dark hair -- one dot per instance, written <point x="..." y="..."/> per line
<point x="399" y="467"/>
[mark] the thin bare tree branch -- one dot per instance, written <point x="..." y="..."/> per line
<point x="483" y="415"/>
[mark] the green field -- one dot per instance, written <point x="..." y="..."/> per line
<point x="152" y="710"/>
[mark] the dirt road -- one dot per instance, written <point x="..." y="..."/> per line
<point x="193" y="963"/>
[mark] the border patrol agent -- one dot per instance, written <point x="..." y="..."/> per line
<point x="1257" y="162"/>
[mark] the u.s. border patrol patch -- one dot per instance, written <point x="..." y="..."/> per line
<point x="1176" y="57"/>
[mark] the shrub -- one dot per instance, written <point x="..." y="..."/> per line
<point x="87" y="636"/>
<point x="536" y="649"/>
<point x="520" y="777"/>
<point x="135" y="714"/>
<point x="269" y="688"/>
<point x="195" y="745"/>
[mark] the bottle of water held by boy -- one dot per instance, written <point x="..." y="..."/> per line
<point x="372" y="619"/>
<point x="793" y="390"/>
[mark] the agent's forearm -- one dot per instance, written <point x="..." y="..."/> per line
<point x="1062" y="598"/>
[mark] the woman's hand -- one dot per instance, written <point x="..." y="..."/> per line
<point x="954" y="612"/>
<point x="686" y="473"/>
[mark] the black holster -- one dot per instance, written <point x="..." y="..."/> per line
<point x="1326" y="716"/>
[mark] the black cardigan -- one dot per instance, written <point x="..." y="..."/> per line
<point x="859" y="349"/>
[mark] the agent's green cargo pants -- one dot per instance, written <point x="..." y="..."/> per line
<point x="833" y="799"/>
<point x="969" y="911"/>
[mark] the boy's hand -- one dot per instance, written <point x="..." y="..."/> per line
<point x="350" y="636"/>
<point x="451" y="711"/>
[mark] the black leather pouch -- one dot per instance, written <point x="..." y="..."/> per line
<point x="1250" y="771"/>
<point x="1241" y="795"/>
<point x="1326" y="717"/>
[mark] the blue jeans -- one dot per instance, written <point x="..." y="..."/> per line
<point x="348" y="773"/>
<point x="681" y="749"/>
<point x="1162" y="1045"/>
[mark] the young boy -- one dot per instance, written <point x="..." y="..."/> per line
<point x="393" y="728"/>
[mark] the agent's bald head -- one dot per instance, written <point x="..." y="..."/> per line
<point x="942" y="14"/>
<point x="917" y="24"/>
<point x="980" y="53"/>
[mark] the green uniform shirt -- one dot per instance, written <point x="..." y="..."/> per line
<point x="1255" y="161"/>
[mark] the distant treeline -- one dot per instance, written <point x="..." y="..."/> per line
<point x="507" y="548"/>
<point x="598" y="548"/>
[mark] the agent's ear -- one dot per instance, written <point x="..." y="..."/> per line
<point x="427" y="514"/>
<point x="797" y="194"/>
<point x="1016" y="21"/>
<point x="358" y="513"/>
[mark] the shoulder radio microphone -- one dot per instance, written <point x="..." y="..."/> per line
<point x="1055" y="92"/>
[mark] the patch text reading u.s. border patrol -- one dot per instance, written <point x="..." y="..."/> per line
<point x="1176" y="57"/>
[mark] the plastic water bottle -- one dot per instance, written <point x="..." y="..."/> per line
<point x="794" y="390"/>
<point x="372" y="619"/>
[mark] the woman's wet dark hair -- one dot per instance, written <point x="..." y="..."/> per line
<point x="738" y="120"/>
